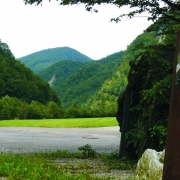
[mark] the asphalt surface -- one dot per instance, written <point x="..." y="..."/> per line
<point x="25" y="139"/>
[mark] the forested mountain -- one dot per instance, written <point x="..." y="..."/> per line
<point x="86" y="81"/>
<point x="107" y="96"/>
<point x="39" y="61"/>
<point x="60" y="71"/>
<point x="18" y="81"/>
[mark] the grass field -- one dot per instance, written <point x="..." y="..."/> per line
<point x="62" y="123"/>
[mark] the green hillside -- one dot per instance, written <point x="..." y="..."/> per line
<point x="18" y="81"/>
<point x="60" y="71"/>
<point x="39" y="61"/>
<point x="80" y="86"/>
<point x="106" y="97"/>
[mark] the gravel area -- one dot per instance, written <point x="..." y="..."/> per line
<point x="25" y="139"/>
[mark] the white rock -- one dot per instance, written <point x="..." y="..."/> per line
<point x="150" y="165"/>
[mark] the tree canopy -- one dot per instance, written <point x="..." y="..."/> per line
<point x="155" y="8"/>
<point x="18" y="81"/>
<point x="41" y="60"/>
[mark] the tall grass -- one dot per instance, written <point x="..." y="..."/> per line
<point x="62" y="123"/>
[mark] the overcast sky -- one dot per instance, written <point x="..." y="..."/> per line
<point x="29" y="28"/>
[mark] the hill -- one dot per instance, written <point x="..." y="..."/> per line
<point x="106" y="97"/>
<point x="18" y="81"/>
<point x="39" y="61"/>
<point x="60" y="71"/>
<point x="87" y="80"/>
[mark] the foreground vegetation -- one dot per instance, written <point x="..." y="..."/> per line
<point x="46" y="165"/>
<point x="62" y="123"/>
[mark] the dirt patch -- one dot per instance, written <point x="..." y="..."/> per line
<point x="96" y="167"/>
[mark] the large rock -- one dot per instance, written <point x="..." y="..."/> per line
<point x="150" y="166"/>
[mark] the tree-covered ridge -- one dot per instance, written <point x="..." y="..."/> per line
<point x="79" y="87"/>
<point x="18" y="81"/>
<point x="60" y="71"/>
<point x="113" y="58"/>
<point x="106" y="97"/>
<point x="39" y="61"/>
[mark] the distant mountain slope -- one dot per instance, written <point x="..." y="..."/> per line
<point x="39" y="61"/>
<point x="113" y="58"/>
<point x="106" y="97"/>
<point x="18" y="81"/>
<point x="80" y="86"/>
<point x="60" y="71"/>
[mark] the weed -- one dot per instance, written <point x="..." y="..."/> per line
<point x="88" y="152"/>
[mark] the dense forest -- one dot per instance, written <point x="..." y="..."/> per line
<point x="108" y="94"/>
<point x="85" y="82"/>
<point x="18" y="81"/>
<point x="75" y="82"/>
<point x="25" y="95"/>
<point x="39" y="61"/>
<point x="60" y="71"/>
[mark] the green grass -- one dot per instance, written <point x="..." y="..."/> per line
<point x="62" y="123"/>
<point x="36" y="166"/>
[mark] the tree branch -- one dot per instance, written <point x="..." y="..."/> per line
<point x="173" y="5"/>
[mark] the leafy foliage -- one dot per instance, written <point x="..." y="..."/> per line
<point x="88" y="152"/>
<point x="150" y="81"/>
<point x="14" y="108"/>
<point x="39" y="61"/>
<point x="18" y="81"/>
<point x="156" y="8"/>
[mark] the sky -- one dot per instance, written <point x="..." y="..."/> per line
<point x="29" y="28"/>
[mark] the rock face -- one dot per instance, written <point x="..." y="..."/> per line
<point x="150" y="165"/>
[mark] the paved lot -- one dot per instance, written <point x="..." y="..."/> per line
<point x="24" y="139"/>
